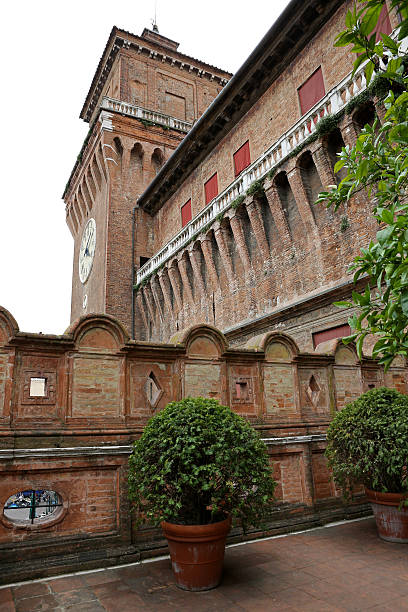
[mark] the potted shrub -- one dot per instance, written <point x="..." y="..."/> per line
<point x="368" y="445"/>
<point x="196" y="467"/>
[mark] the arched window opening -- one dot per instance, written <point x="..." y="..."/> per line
<point x="157" y="160"/>
<point x="334" y="145"/>
<point x="364" y="115"/>
<point x="136" y="158"/>
<point x="119" y="152"/>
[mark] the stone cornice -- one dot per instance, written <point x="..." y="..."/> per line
<point x="92" y="451"/>
<point x="325" y="297"/>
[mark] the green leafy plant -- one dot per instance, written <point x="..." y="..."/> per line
<point x="344" y="224"/>
<point x="238" y="201"/>
<point x="197" y="461"/>
<point x="368" y="443"/>
<point x="327" y="124"/>
<point x="256" y="188"/>
<point x="378" y="163"/>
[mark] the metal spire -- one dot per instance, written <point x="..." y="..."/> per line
<point x="154" y="22"/>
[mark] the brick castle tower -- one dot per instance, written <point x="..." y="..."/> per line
<point x="144" y="98"/>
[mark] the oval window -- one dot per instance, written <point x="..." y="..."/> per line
<point x="32" y="507"/>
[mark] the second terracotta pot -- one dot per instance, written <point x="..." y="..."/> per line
<point x="392" y="522"/>
<point x="197" y="553"/>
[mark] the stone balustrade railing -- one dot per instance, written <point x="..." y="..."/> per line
<point x="139" y="112"/>
<point x="332" y="103"/>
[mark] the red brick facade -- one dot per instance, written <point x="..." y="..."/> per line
<point x="103" y="389"/>
<point x="227" y="309"/>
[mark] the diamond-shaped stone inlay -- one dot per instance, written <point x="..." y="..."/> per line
<point x="153" y="390"/>
<point x="313" y="391"/>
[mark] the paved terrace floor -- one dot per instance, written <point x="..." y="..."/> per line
<point x="340" y="567"/>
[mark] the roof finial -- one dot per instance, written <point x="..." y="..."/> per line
<point x="154" y="22"/>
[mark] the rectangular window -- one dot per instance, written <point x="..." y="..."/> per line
<point x="311" y="91"/>
<point x="383" y="24"/>
<point x="242" y="158"/>
<point x="186" y="213"/>
<point x="329" y="334"/>
<point x="211" y="188"/>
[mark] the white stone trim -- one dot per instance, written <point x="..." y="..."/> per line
<point x="124" y="108"/>
<point x="81" y="451"/>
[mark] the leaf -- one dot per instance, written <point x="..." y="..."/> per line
<point x="387" y="216"/>
<point x="404" y="303"/>
<point x="338" y="165"/>
<point x="370" y="19"/>
<point x="389" y="43"/>
<point x="385" y="234"/>
<point x="369" y="69"/>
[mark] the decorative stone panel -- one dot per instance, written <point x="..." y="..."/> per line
<point x="202" y="380"/>
<point x="96" y="388"/>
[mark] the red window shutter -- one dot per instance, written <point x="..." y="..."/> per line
<point x="329" y="334"/>
<point x="242" y="158"/>
<point x="211" y="188"/>
<point x="383" y="24"/>
<point x="186" y="213"/>
<point x="311" y="91"/>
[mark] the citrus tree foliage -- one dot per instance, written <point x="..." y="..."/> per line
<point x="368" y="442"/>
<point x="378" y="163"/>
<point x="196" y="461"/>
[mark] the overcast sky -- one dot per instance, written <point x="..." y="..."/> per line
<point x="50" y="51"/>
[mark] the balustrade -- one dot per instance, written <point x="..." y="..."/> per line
<point x="145" y="114"/>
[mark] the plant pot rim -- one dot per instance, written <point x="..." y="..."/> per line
<point x="385" y="499"/>
<point x="196" y="531"/>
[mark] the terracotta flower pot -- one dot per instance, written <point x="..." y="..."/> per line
<point x="197" y="553"/>
<point x="392" y="523"/>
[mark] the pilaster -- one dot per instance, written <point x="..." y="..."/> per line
<point x="165" y="287"/>
<point x="220" y="237"/>
<point x="147" y="293"/>
<point x="195" y="264"/>
<point x="175" y="283"/>
<point x="298" y="190"/>
<point x="255" y="217"/>
<point x="278" y="215"/>
<point x="153" y="285"/>
<point x="238" y="232"/>
<point x="209" y="262"/>
<point x="182" y="264"/>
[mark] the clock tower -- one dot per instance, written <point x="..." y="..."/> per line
<point x="144" y="97"/>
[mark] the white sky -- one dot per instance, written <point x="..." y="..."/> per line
<point x="50" y="51"/>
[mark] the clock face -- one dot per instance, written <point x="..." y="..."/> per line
<point x="87" y="250"/>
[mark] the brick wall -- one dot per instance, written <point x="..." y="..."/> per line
<point x="275" y="250"/>
<point x="100" y="390"/>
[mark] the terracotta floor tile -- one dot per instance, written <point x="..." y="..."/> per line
<point x="41" y="603"/>
<point x="6" y="595"/>
<point x="126" y="602"/>
<point x="101" y="577"/>
<point x="344" y="568"/>
<point x="59" y="585"/>
<point x="75" y="598"/>
<point x="30" y="590"/>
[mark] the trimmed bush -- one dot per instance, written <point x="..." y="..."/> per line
<point x="197" y="461"/>
<point x="368" y="442"/>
